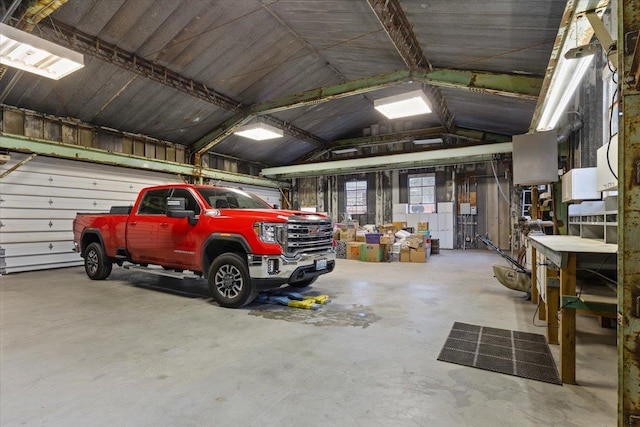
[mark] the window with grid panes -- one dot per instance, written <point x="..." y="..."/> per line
<point x="356" y="193"/>
<point x="422" y="193"/>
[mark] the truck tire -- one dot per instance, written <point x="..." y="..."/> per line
<point x="303" y="283"/>
<point x="96" y="263"/>
<point x="229" y="281"/>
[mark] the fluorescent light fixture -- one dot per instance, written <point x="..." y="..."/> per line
<point x="427" y="141"/>
<point x="565" y="82"/>
<point x="415" y="159"/>
<point x="33" y="54"/>
<point x="403" y="105"/>
<point x="344" y="151"/>
<point x="259" y="131"/>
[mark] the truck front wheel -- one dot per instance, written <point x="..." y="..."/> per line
<point x="229" y="281"/>
<point x="96" y="262"/>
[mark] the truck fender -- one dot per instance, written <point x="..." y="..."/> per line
<point x="90" y="235"/>
<point x="219" y="243"/>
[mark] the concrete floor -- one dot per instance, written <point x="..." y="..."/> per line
<point x="139" y="350"/>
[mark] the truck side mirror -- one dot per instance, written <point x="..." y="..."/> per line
<point x="175" y="209"/>
<point x="175" y="203"/>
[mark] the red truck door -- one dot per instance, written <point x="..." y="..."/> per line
<point x="178" y="241"/>
<point x="143" y="225"/>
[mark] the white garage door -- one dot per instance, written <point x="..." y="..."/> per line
<point x="39" y="200"/>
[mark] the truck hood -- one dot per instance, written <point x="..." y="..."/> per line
<point x="268" y="215"/>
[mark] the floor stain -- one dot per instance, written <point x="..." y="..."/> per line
<point x="332" y="314"/>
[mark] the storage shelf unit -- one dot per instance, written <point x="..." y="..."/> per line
<point x="595" y="220"/>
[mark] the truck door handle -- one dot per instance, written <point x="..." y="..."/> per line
<point x="133" y="223"/>
<point x="164" y="224"/>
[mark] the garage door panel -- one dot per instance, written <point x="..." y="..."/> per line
<point x="77" y="193"/>
<point x="42" y="248"/>
<point x="17" y="264"/>
<point x="49" y="181"/>
<point x="35" y="237"/>
<point x="15" y="201"/>
<point x="18" y="213"/>
<point x="88" y="171"/>
<point x="38" y="225"/>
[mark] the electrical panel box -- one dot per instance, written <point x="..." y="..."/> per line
<point x="535" y="158"/>
<point x="465" y="208"/>
<point x="608" y="156"/>
<point x="580" y="184"/>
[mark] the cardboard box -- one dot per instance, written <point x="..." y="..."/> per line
<point x="423" y="226"/>
<point x="336" y="235"/>
<point x="387" y="229"/>
<point x="418" y="255"/>
<point x="405" y="255"/>
<point x="373" y="253"/>
<point x="354" y="250"/>
<point x="387" y="240"/>
<point x="385" y="250"/>
<point x="415" y="243"/>
<point x="399" y="226"/>
<point x="348" y="235"/>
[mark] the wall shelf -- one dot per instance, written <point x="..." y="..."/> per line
<point x="595" y="220"/>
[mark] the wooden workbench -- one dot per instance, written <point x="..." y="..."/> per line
<point x="564" y="252"/>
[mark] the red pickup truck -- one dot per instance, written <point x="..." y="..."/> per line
<point x="238" y="241"/>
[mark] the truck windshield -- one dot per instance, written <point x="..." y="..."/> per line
<point x="231" y="198"/>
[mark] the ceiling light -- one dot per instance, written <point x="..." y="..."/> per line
<point x="403" y="105"/>
<point x="427" y="141"/>
<point x="412" y="160"/>
<point x="345" y="151"/>
<point x="259" y="131"/>
<point x="565" y="81"/>
<point x="33" y="54"/>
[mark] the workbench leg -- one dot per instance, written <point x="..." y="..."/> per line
<point x="553" y="302"/>
<point x="568" y="323"/>
<point x="535" y="296"/>
<point x="542" y="311"/>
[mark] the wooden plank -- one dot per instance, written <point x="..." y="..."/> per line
<point x="574" y="244"/>
<point x="535" y="296"/>
<point x="553" y="299"/>
<point x="568" y="324"/>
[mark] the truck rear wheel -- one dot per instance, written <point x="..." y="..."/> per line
<point x="96" y="262"/>
<point x="229" y="281"/>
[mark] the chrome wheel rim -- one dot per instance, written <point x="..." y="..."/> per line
<point x="92" y="262"/>
<point x="228" y="281"/>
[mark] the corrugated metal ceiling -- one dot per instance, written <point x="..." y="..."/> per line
<point x="257" y="50"/>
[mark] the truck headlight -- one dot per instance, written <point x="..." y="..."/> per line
<point x="269" y="233"/>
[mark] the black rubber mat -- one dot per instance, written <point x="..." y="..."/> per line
<point x="500" y="350"/>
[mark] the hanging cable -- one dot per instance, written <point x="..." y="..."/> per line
<point x="495" y="175"/>
<point x="613" y="103"/>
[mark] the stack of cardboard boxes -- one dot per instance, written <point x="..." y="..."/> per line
<point x="356" y="244"/>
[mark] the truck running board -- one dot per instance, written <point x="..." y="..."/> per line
<point x="159" y="271"/>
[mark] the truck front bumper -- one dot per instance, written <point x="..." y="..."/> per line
<point x="268" y="271"/>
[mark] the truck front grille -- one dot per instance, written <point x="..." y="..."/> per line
<point x="308" y="235"/>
